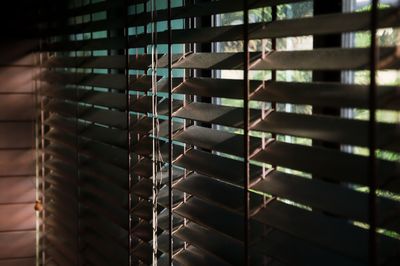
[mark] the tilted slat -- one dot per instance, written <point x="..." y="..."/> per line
<point x="212" y="87"/>
<point x="227" y="249"/>
<point x="194" y="256"/>
<point x="216" y="140"/>
<point x="214" y="114"/>
<point x="317" y="59"/>
<point x="113" y="253"/>
<point x="85" y="45"/>
<point x="338" y="199"/>
<point x="143" y="231"/>
<point x="144" y="188"/>
<point x="209" y="164"/>
<point x="96" y="115"/>
<point x="103" y="134"/>
<point x="144" y="105"/>
<point x="112" y="61"/>
<point x="334" y="234"/>
<point x="143" y="252"/>
<point x="347" y="167"/>
<point x="112" y="81"/>
<point x="326" y="94"/>
<point x="212" y="217"/>
<point x="294" y="251"/>
<point x="329" y="128"/>
<point x="316" y="25"/>
<point x="144" y="168"/>
<point x="205" y="9"/>
<point x="319" y="127"/>
<point x="216" y="192"/>
<point x="105" y="170"/>
<point x="143" y="210"/>
<point x="118" y="234"/>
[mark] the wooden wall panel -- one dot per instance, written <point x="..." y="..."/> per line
<point x="17" y="244"/>
<point x="16" y="79"/>
<point x="18" y="262"/>
<point x="17" y="153"/>
<point x="17" y="135"/>
<point x="17" y="107"/>
<point x="17" y="189"/>
<point x="17" y="162"/>
<point x="14" y="217"/>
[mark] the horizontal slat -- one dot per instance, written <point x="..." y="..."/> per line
<point x="144" y="168"/>
<point x="326" y="231"/>
<point x="99" y="25"/>
<point x="329" y="197"/>
<point x="60" y="252"/>
<point x="107" y="153"/>
<point x="207" y="215"/>
<point x="164" y="197"/>
<point x="145" y="148"/>
<point x="106" y="188"/>
<point x="144" y="105"/>
<point x="143" y="210"/>
<point x="86" y="45"/>
<point x="163" y="220"/>
<point x="216" y="140"/>
<point x="216" y="192"/>
<point x="195" y="256"/>
<point x="114" y="232"/>
<point x="212" y="87"/>
<point x="317" y="59"/>
<point x="111" y="61"/>
<point x="92" y="132"/>
<point x="64" y="13"/>
<point x="114" y="137"/>
<point x="105" y="99"/>
<point x="209" y="164"/>
<point x="215" y="114"/>
<point x="87" y="148"/>
<point x="326" y="94"/>
<point x="330" y="164"/>
<point x="112" y="81"/>
<point x="105" y="170"/>
<point x="163" y="243"/>
<point x="143" y="231"/>
<point x="293" y="251"/>
<point x="316" y="93"/>
<point x="141" y="62"/>
<point x="326" y="128"/>
<point x="317" y="25"/>
<point x="143" y="252"/>
<point x="114" y="253"/>
<point x="111" y="136"/>
<point x="143" y="189"/>
<point x="95" y="202"/>
<point x="144" y="126"/>
<point x="204" y="9"/>
<point x="228" y="249"/>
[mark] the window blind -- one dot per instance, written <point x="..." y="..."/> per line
<point x="220" y="132"/>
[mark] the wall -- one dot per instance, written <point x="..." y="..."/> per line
<point x="17" y="153"/>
